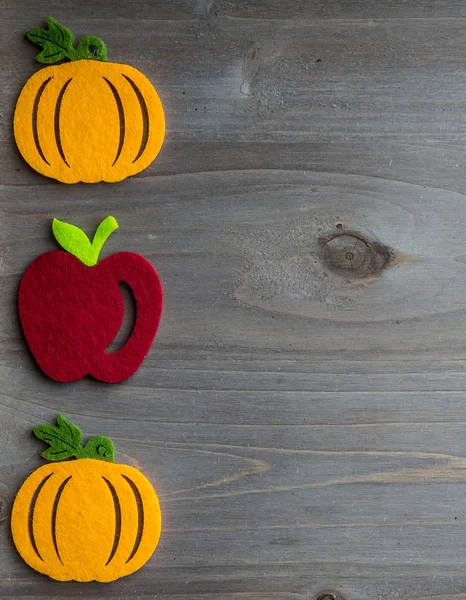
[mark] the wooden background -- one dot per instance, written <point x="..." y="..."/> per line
<point x="302" y="412"/>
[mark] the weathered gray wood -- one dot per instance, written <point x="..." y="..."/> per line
<point x="303" y="410"/>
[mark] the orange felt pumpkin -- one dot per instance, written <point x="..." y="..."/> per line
<point x="87" y="519"/>
<point x="87" y="120"/>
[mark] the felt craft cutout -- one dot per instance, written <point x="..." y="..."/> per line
<point x="88" y="519"/>
<point x="71" y="307"/>
<point x="87" y="120"/>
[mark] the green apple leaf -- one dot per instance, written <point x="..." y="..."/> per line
<point x="73" y="240"/>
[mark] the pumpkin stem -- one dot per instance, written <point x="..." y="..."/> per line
<point x="91" y="47"/>
<point x="65" y="442"/>
<point x="75" y="241"/>
<point x="57" y="43"/>
<point x="99" y="447"/>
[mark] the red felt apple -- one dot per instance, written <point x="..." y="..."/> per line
<point x="71" y="307"/>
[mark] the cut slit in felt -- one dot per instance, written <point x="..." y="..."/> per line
<point x="129" y="319"/>
<point x="70" y="312"/>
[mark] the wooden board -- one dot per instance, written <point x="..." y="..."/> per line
<point x="303" y="410"/>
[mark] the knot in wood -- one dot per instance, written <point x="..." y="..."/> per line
<point x="354" y="256"/>
<point x="329" y="596"/>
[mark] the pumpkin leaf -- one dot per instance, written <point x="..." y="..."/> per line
<point x="74" y="240"/>
<point x="64" y="440"/>
<point x="57" y="30"/>
<point x="70" y="432"/>
<point x="57" y="42"/>
<point x="53" y="454"/>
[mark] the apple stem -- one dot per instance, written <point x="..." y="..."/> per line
<point x="102" y="234"/>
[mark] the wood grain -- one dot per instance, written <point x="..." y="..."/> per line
<point x="302" y="412"/>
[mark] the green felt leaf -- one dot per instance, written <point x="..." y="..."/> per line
<point x="75" y="241"/>
<point x="70" y="431"/>
<point x="54" y="454"/>
<point x="65" y="440"/>
<point x="57" y="43"/>
<point x="57" y="30"/>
